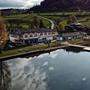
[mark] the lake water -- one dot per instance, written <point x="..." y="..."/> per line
<point x="58" y="70"/>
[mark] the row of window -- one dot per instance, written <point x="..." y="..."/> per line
<point x="36" y="35"/>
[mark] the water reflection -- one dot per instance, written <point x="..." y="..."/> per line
<point x="74" y="49"/>
<point x="27" y="75"/>
<point x="5" y="76"/>
<point x="57" y="70"/>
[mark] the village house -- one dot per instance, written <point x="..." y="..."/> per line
<point x="33" y="36"/>
<point x="70" y="36"/>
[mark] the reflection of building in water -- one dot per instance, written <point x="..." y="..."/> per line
<point x="73" y="49"/>
<point x="5" y="76"/>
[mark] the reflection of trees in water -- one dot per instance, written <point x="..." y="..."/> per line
<point x="5" y="76"/>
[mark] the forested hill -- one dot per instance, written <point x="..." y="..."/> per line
<point x="61" y="5"/>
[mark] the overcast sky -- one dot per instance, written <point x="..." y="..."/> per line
<point x="18" y="3"/>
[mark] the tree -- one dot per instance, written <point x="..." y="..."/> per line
<point x="62" y="25"/>
<point x="3" y="33"/>
<point x="72" y="19"/>
<point x="41" y="24"/>
<point x="35" y="22"/>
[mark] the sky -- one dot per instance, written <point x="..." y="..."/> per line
<point x="18" y="3"/>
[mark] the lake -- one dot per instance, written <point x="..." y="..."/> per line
<point x="57" y="70"/>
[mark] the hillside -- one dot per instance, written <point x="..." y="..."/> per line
<point x="55" y="5"/>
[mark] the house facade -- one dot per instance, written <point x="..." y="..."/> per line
<point x="71" y="36"/>
<point x="34" y="36"/>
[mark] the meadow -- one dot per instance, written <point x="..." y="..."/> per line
<point x="24" y="21"/>
<point x="82" y="17"/>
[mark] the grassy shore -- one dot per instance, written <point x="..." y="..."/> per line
<point x="33" y="48"/>
<point x="26" y="49"/>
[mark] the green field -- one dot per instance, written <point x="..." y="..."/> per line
<point x="83" y="17"/>
<point x="24" y="20"/>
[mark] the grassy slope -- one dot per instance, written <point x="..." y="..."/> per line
<point x="27" y="17"/>
<point x="83" y="17"/>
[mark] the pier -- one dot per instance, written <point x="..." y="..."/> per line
<point x="77" y="46"/>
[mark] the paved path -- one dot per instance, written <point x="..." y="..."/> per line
<point x="84" y="47"/>
<point x="73" y="45"/>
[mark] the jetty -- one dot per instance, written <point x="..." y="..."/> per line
<point x="77" y="46"/>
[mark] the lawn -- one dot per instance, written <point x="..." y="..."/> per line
<point x="22" y="50"/>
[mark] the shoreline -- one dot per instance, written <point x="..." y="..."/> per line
<point x="31" y="53"/>
<point x="38" y="52"/>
